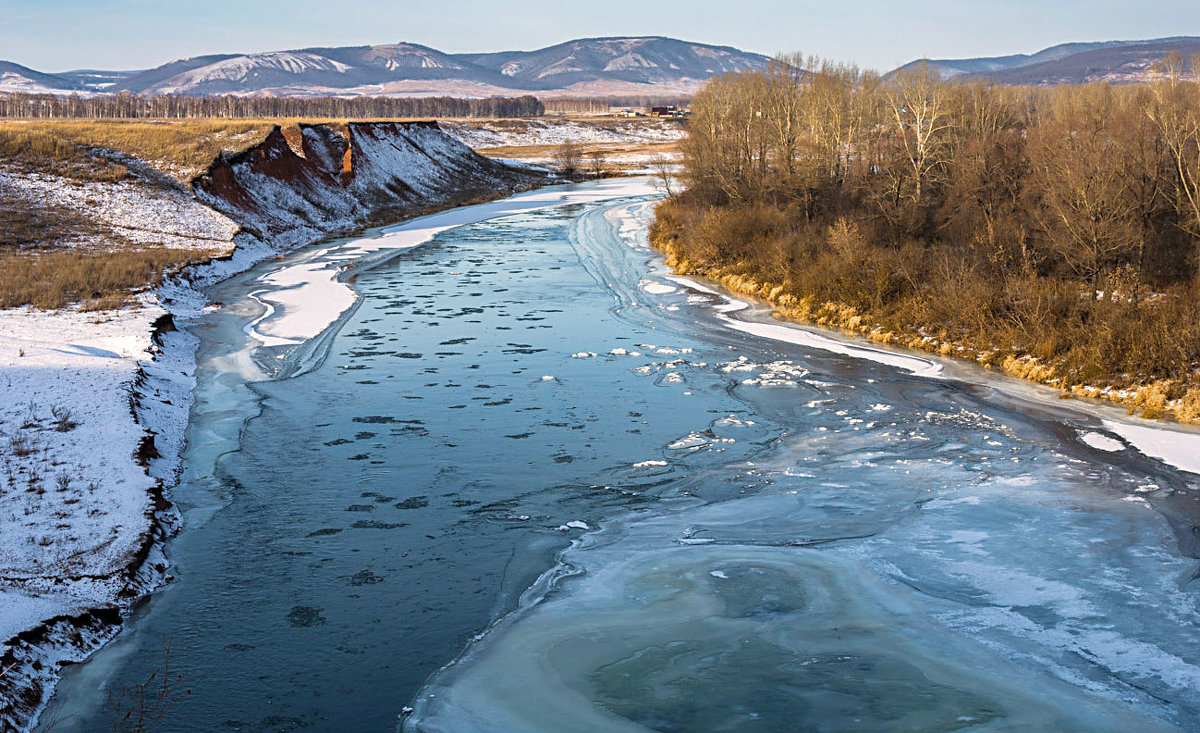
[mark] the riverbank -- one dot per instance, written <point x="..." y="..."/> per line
<point x="1151" y="398"/>
<point x="1176" y="445"/>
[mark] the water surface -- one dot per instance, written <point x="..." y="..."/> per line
<point x="671" y="525"/>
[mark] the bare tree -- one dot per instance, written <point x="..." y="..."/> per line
<point x="568" y="158"/>
<point x="920" y="111"/>
<point x="1175" y="111"/>
<point x="665" y="171"/>
<point x="1088" y="208"/>
<point x="596" y="162"/>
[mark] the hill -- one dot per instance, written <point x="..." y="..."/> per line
<point x="1118" y="62"/>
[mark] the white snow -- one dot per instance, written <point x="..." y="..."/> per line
<point x="85" y="477"/>
<point x="1175" y="447"/>
<point x="1101" y="442"/>
<point x="241" y="67"/>
<point x="794" y="334"/>
<point x="576" y="524"/>
<point x="138" y="211"/>
<point x="654" y="288"/>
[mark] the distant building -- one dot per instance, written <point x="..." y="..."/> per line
<point x="668" y="111"/>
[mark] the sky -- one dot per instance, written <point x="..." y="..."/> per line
<point x="61" y="35"/>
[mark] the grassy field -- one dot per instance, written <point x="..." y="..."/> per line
<point x="53" y="256"/>
<point x="94" y="279"/>
<point x="76" y="149"/>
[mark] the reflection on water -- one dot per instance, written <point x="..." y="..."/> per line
<point x="787" y="538"/>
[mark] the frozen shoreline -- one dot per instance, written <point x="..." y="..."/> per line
<point x="1174" y="445"/>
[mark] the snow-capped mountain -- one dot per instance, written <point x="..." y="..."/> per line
<point x="645" y="60"/>
<point x="626" y="66"/>
<point x="318" y="69"/>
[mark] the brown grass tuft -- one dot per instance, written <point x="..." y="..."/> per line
<point x="94" y="279"/>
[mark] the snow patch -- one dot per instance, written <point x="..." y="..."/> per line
<point x="1175" y="447"/>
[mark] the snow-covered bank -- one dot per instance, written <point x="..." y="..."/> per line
<point x="805" y="337"/>
<point x="92" y="413"/>
<point x="94" y="406"/>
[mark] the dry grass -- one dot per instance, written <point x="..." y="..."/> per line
<point x="25" y="225"/>
<point x="178" y="148"/>
<point x="96" y="280"/>
<point x="614" y="158"/>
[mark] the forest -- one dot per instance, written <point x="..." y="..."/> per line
<point x="130" y="106"/>
<point x="1050" y="232"/>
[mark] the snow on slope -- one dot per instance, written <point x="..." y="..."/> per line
<point x="138" y="210"/>
<point x="80" y="515"/>
<point x="243" y="69"/>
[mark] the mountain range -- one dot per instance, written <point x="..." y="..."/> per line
<point x="593" y="67"/>
<point x="1117" y="62"/>
<point x="586" y="67"/>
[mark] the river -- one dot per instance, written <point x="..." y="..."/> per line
<point x="532" y="482"/>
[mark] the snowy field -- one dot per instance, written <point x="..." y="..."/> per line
<point x="136" y="211"/>
<point x="75" y="502"/>
<point x="527" y="133"/>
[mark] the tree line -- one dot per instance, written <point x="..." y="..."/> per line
<point x="131" y="106"/>
<point x="1054" y="230"/>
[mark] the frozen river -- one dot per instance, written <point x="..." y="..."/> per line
<point x="530" y="482"/>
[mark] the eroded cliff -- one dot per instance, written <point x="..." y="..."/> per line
<point x="327" y="180"/>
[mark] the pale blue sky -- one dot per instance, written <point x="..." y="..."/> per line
<point x="57" y="35"/>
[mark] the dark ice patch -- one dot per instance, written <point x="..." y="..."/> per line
<point x="365" y="577"/>
<point x="305" y="616"/>
<point x="324" y="532"/>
